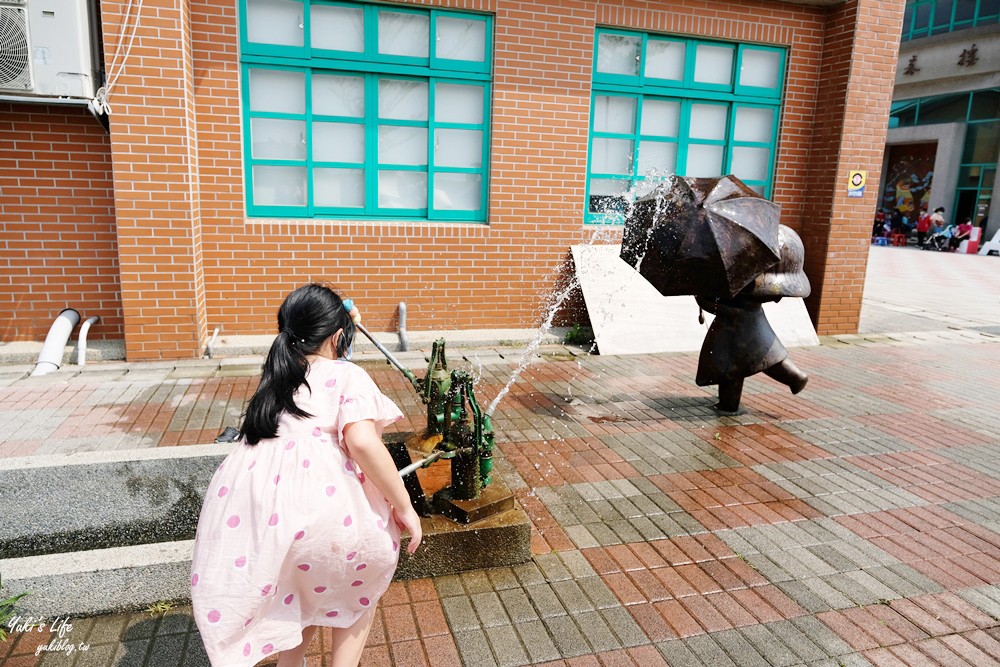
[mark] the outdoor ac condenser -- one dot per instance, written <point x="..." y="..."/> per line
<point x="47" y="49"/>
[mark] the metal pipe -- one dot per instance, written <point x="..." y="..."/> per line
<point x="210" y="348"/>
<point x="81" y="346"/>
<point x="421" y="463"/>
<point x="388" y="355"/>
<point x="404" y="346"/>
<point x="54" y="346"/>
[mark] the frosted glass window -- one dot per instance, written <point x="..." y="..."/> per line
<point x="611" y="156"/>
<point x="708" y="121"/>
<point x="704" y="161"/>
<point x="665" y="60"/>
<point x="460" y="39"/>
<point x="458" y="148"/>
<point x="760" y="68"/>
<point x="403" y="34"/>
<point x="398" y="144"/>
<point x="279" y="186"/>
<point x="334" y="95"/>
<point x="402" y="189"/>
<point x="337" y="28"/>
<point x="274" y="139"/>
<point x="275" y="22"/>
<point x="338" y="142"/>
<point x="618" y="54"/>
<point x="754" y="124"/>
<point x="609" y="186"/>
<point x="614" y="114"/>
<point x="283" y="91"/>
<point x="456" y="103"/>
<point x="660" y="118"/>
<point x="402" y="99"/>
<point x="713" y="64"/>
<point x="658" y="156"/>
<point x="342" y="188"/>
<point x="751" y="164"/>
<point x="458" y="192"/>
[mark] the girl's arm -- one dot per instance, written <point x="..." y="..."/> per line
<point x="366" y="447"/>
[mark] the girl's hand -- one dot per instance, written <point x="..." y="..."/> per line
<point x="409" y="520"/>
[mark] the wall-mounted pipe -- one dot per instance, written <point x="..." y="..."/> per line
<point x="81" y="346"/>
<point x="54" y="346"/>
<point x="403" y="345"/>
<point x="210" y="348"/>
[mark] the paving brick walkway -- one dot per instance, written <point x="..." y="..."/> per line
<point x="857" y="523"/>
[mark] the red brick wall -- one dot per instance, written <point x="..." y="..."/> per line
<point x="57" y="221"/>
<point x="858" y="70"/>
<point x="191" y="260"/>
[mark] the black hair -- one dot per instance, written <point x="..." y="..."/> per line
<point x="307" y="317"/>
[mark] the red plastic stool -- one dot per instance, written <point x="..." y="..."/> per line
<point x="898" y="239"/>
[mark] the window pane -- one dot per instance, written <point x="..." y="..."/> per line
<point x="950" y="109"/>
<point x="275" y="22"/>
<point x="338" y="142"/>
<point x="751" y="164"/>
<point x="609" y="195"/>
<point x="760" y="68"/>
<point x="708" y="121"/>
<point x="402" y="189"/>
<point x="665" y="60"/>
<point x="460" y="39"/>
<point x="982" y="140"/>
<point x="903" y="113"/>
<point x="611" y="156"/>
<point x="338" y="95"/>
<point x="704" y="161"/>
<point x="399" y="144"/>
<point x="337" y="28"/>
<point x="618" y="54"/>
<point x="965" y="10"/>
<point x="456" y="103"/>
<point x="614" y="114"/>
<point x="921" y="19"/>
<point x="754" y="124"/>
<point x="942" y="14"/>
<point x="988" y="8"/>
<point x="402" y="99"/>
<point x="660" y="118"/>
<point x="275" y="139"/>
<point x="344" y="188"/>
<point x="279" y="186"/>
<point x="660" y="156"/>
<point x="985" y="105"/>
<point x="713" y="64"/>
<point x="968" y="177"/>
<point x="402" y="34"/>
<point x="458" y="192"/>
<point x="458" y="148"/>
<point x="283" y="91"/>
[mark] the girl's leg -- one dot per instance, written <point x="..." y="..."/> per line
<point x="348" y="643"/>
<point x="730" y="392"/>
<point x="294" y="657"/>
<point x="788" y="373"/>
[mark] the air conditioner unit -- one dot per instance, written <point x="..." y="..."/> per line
<point x="47" y="49"/>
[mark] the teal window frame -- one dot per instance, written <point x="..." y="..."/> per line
<point x="641" y="87"/>
<point x="940" y="22"/>
<point x="371" y="66"/>
<point x="901" y="111"/>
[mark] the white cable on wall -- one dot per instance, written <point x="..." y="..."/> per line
<point x="100" y="102"/>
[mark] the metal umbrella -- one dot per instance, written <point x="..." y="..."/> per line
<point x="703" y="236"/>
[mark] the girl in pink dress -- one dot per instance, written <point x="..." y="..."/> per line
<point x="301" y="522"/>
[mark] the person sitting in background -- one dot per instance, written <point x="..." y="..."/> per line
<point x="937" y="220"/>
<point x="962" y="233"/>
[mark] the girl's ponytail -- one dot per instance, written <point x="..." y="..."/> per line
<point x="308" y="316"/>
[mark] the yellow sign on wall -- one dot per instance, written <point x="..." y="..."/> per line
<point x="856" y="183"/>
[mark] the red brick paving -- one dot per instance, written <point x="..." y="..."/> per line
<point x="753" y="444"/>
<point x="932" y="477"/>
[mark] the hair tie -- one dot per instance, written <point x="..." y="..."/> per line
<point x="291" y="334"/>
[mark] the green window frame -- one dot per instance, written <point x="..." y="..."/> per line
<point x="669" y="87"/>
<point x="934" y="17"/>
<point x="358" y="146"/>
<point x="972" y="107"/>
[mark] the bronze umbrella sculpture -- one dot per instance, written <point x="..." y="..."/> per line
<point x="720" y="241"/>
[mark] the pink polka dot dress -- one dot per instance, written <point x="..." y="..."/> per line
<point x="291" y="533"/>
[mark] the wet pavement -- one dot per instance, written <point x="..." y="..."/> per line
<point x="857" y="523"/>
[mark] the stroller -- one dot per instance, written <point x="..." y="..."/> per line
<point x="939" y="239"/>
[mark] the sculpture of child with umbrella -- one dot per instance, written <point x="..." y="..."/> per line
<point x="720" y="241"/>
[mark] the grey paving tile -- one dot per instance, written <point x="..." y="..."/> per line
<point x="986" y="598"/>
<point x="677" y="654"/>
<point x="448" y="585"/>
<point x="545" y="601"/>
<point x="507" y="646"/>
<point x="821" y="635"/>
<point x="502" y="578"/>
<point x="595" y="628"/>
<point x="460" y="614"/>
<point x="536" y="640"/>
<point x="708" y="651"/>
<point x="739" y="649"/>
<point x="476" y="582"/>
<point x="566" y="636"/>
<point x="572" y="596"/>
<point x="489" y="609"/>
<point x="769" y="645"/>
<point x="981" y="458"/>
<point x="598" y="593"/>
<point x="624" y="626"/>
<point x="796" y="640"/>
<point x="474" y="649"/>
<point x="518" y="606"/>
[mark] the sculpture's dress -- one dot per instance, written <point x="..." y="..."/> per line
<point x="740" y="342"/>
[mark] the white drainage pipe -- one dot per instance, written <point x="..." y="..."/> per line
<point x="403" y="345"/>
<point x="81" y="346"/>
<point x="210" y="348"/>
<point x="55" y="342"/>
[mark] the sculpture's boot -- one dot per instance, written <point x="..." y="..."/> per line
<point x="730" y="392"/>
<point x="789" y="374"/>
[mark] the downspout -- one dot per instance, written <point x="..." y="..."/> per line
<point x="81" y="346"/>
<point x="404" y="346"/>
<point x="54" y="347"/>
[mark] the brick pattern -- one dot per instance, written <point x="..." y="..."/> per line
<point x="59" y="246"/>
